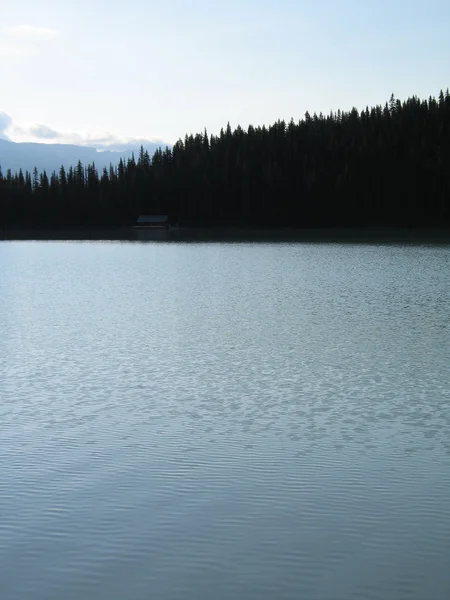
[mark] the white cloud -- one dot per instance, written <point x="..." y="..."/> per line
<point x="5" y="124"/>
<point x="23" y="40"/>
<point x="38" y="132"/>
<point x="32" y="32"/>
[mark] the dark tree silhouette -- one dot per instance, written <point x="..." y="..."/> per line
<point x="387" y="166"/>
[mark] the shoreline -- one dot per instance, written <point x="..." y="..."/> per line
<point x="236" y="234"/>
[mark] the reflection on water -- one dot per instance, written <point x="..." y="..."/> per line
<point x="236" y="234"/>
<point x="230" y="420"/>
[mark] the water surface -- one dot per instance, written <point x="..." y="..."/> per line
<point x="252" y="421"/>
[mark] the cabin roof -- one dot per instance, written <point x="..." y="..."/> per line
<point x="152" y="219"/>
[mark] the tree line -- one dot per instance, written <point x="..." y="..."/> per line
<point x="385" y="166"/>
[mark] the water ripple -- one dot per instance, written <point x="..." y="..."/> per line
<point x="252" y="421"/>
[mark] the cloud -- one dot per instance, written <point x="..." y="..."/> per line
<point x="41" y="133"/>
<point x="32" y="32"/>
<point x="5" y="124"/>
<point x="25" y="40"/>
<point x="104" y="141"/>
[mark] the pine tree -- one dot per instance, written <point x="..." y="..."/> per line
<point x="62" y="178"/>
<point x="384" y="166"/>
<point x="35" y="178"/>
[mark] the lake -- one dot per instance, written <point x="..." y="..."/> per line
<point x="224" y="420"/>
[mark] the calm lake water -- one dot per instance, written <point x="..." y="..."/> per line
<point x="224" y="421"/>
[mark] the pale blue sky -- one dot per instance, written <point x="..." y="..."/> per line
<point x="113" y="70"/>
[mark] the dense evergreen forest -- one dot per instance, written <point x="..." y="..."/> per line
<point x="388" y="166"/>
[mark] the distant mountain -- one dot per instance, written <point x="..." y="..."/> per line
<point x="50" y="157"/>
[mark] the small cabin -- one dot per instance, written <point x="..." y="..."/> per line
<point x="153" y="222"/>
